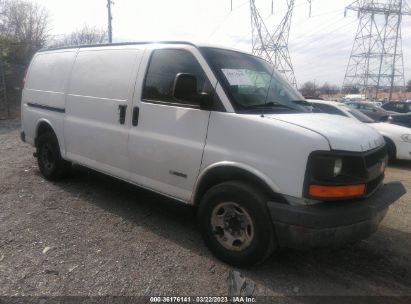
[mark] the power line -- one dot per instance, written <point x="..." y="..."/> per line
<point x="283" y="10"/>
<point x="225" y="17"/>
<point x="316" y="31"/>
<point x="322" y="37"/>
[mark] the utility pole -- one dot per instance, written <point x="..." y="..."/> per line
<point x="110" y="18"/>
<point x="376" y="60"/>
<point x="309" y="13"/>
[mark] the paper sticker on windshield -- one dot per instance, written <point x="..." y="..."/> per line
<point x="236" y="77"/>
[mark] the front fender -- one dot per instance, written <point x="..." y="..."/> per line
<point x="231" y="165"/>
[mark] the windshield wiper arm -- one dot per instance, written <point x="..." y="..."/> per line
<point x="270" y="104"/>
<point x="302" y="102"/>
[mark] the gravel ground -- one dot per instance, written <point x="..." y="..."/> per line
<point x="94" y="235"/>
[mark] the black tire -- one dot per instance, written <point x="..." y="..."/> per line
<point x="52" y="166"/>
<point x="392" y="151"/>
<point x="254" y="203"/>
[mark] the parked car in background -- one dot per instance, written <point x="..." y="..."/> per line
<point x="401" y="119"/>
<point x="398" y="138"/>
<point x="353" y="97"/>
<point x="371" y="110"/>
<point x="397" y="106"/>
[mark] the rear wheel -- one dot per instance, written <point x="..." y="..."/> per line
<point x="51" y="164"/>
<point x="235" y="223"/>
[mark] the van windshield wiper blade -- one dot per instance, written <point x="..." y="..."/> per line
<point x="302" y="102"/>
<point x="268" y="105"/>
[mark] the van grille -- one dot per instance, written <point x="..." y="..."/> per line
<point x="375" y="157"/>
<point x="373" y="163"/>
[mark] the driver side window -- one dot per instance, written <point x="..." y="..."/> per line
<point x="164" y="65"/>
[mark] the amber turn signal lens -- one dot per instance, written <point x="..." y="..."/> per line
<point x="336" y="191"/>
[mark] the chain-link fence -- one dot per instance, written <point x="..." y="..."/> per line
<point x="4" y="106"/>
<point x="14" y="59"/>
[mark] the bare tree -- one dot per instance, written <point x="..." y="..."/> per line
<point x="23" y="22"/>
<point x="327" y="89"/>
<point x="85" y="35"/>
<point x="351" y="90"/>
<point x="309" y="88"/>
<point x="23" y="30"/>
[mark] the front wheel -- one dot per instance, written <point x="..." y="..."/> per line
<point x="235" y="223"/>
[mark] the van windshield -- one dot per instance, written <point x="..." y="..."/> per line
<point x="251" y="84"/>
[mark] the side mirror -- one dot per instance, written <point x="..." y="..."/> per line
<point x="185" y="89"/>
<point x="206" y="101"/>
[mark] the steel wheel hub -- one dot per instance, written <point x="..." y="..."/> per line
<point x="47" y="157"/>
<point x="232" y="226"/>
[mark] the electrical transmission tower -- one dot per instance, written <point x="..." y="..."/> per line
<point x="376" y="60"/>
<point x="274" y="47"/>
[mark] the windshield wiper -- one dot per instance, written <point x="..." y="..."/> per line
<point x="268" y="105"/>
<point x="302" y="102"/>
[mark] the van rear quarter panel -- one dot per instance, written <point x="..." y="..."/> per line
<point x="46" y="84"/>
<point x="48" y="78"/>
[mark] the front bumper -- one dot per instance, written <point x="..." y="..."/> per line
<point x="332" y="223"/>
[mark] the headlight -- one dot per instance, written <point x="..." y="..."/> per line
<point x="343" y="174"/>
<point x="328" y="167"/>
<point x="406" y="137"/>
<point x="337" y="166"/>
<point x="325" y="167"/>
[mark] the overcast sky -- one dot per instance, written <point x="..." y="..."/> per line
<point x="319" y="46"/>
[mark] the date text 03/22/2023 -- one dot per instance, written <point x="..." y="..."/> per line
<point x="224" y="299"/>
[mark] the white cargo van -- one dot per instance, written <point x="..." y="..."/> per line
<point x="215" y="128"/>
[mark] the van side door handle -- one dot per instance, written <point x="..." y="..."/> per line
<point x="136" y="112"/>
<point x="122" y="114"/>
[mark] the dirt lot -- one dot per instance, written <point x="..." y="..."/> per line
<point x="94" y="235"/>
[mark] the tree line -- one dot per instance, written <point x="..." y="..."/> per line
<point x="310" y="88"/>
<point x="24" y="29"/>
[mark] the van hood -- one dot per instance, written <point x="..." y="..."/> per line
<point x="342" y="133"/>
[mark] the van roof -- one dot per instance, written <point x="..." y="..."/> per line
<point x="115" y="44"/>
<point x="197" y="45"/>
